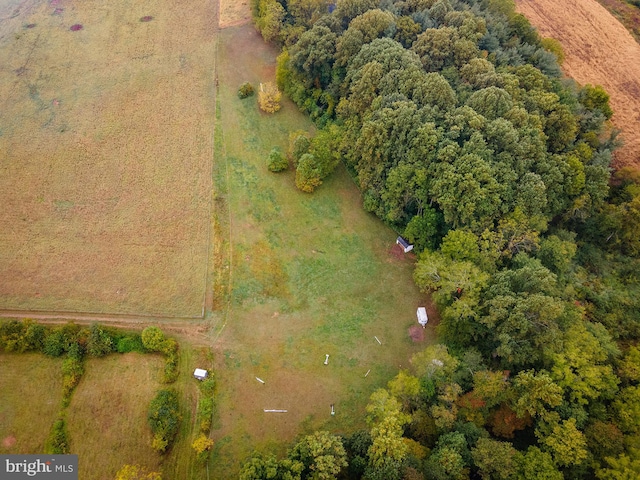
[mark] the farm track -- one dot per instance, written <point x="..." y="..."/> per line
<point x="196" y="331"/>
<point x="598" y="51"/>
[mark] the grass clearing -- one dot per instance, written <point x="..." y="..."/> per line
<point x="106" y="420"/>
<point x="105" y="151"/>
<point x="310" y="275"/>
<point x="30" y="398"/>
<point x="107" y="417"/>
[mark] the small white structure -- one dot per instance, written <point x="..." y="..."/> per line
<point x="333" y="410"/>
<point x="260" y="380"/>
<point x="200" y="373"/>
<point x="326" y="360"/>
<point x="406" y="246"/>
<point x="422" y="316"/>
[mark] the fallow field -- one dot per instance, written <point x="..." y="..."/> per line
<point x="106" y="146"/>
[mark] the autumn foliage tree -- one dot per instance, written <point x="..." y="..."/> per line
<point x="269" y="97"/>
<point x="136" y="472"/>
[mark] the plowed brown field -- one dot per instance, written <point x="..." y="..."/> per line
<point x="599" y="51"/>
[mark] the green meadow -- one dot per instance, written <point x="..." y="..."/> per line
<point x="307" y="275"/>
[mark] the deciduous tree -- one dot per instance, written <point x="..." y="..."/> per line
<point x="269" y="97"/>
<point x="277" y="162"/>
<point x="535" y="393"/>
<point x="538" y="465"/>
<point x="495" y="460"/>
<point x="565" y="442"/>
<point x="322" y="455"/>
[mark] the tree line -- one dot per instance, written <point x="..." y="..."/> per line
<point x="454" y="120"/>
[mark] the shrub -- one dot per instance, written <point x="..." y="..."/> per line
<point x="54" y="344"/>
<point x="169" y="347"/>
<point x="308" y="175"/>
<point x="136" y="472"/>
<point x="201" y="445"/>
<point x="299" y="144"/>
<point x="170" y="368"/>
<point x="72" y="371"/>
<point x="153" y="339"/>
<point x="11" y="336"/>
<point x="18" y="336"/>
<point x="269" y="97"/>
<point x="207" y="386"/>
<point x="76" y="351"/>
<point x="245" y="90"/>
<point x="99" y="342"/>
<point x="277" y="161"/>
<point x="34" y="336"/>
<point x="164" y="418"/>
<point x="57" y="442"/>
<point x="130" y="343"/>
<point x="205" y="412"/>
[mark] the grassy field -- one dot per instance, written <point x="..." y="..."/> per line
<point x="105" y="152"/>
<point x="107" y="416"/>
<point x="310" y="275"/>
<point x="30" y="397"/>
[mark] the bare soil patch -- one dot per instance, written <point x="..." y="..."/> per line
<point x="599" y="51"/>
<point x="8" y="442"/>
<point x="416" y="333"/>
<point x="106" y="147"/>
<point x="398" y="253"/>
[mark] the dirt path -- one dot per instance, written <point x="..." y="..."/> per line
<point x="598" y="50"/>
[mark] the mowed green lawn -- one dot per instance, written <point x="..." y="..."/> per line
<point x="30" y="396"/>
<point x="310" y="275"/>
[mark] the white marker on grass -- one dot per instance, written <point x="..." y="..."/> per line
<point x="377" y="339"/>
<point x="260" y="380"/>
<point x="326" y="360"/>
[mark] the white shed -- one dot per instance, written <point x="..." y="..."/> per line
<point x="406" y="246"/>
<point x="200" y="373"/>
<point x="422" y="316"/>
